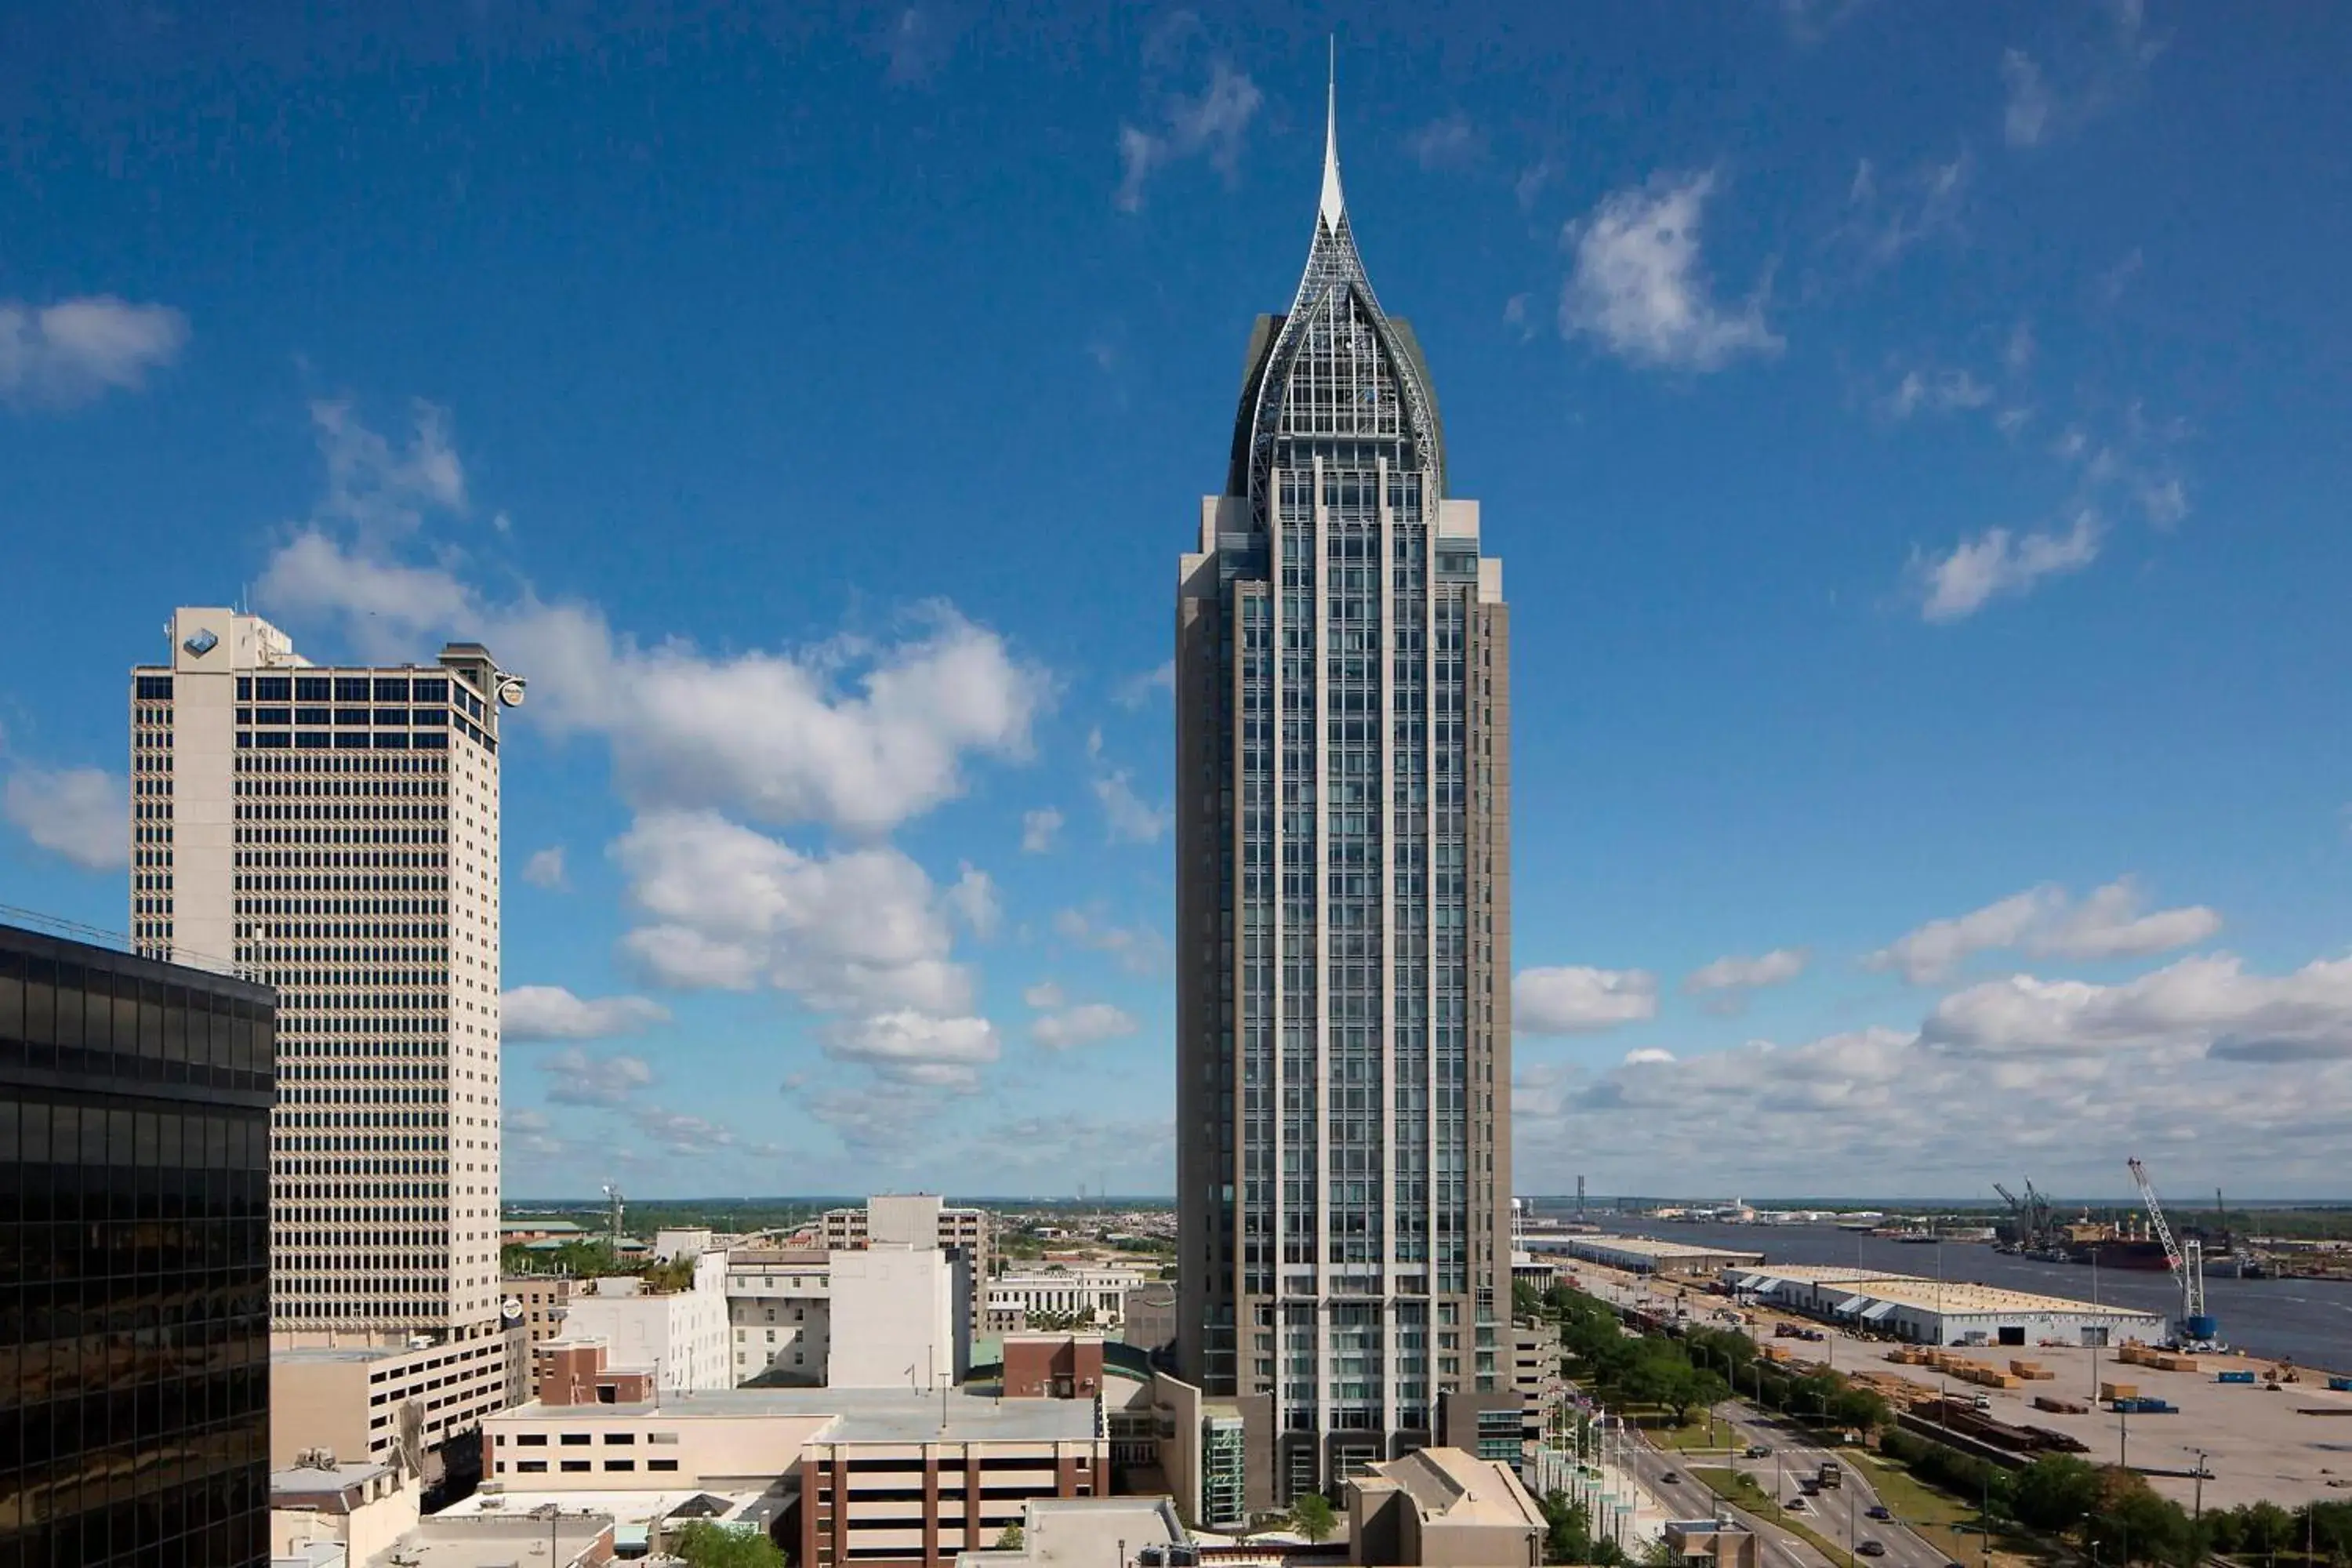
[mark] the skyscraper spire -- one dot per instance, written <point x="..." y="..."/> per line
<point x="1335" y="205"/>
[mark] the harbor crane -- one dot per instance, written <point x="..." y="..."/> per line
<point x="2195" y="1329"/>
<point x="2030" y="1216"/>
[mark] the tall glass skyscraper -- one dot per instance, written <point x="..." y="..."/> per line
<point x="1343" y="937"/>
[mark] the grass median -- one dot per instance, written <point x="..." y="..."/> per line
<point x="1946" y="1521"/>
<point x="1741" y="1490"/>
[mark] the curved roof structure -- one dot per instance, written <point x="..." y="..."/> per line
<point x="1335" y="366"/>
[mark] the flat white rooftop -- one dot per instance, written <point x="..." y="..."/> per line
<point x="1651" y="1246"/>
<point x="1950" y="1298"/>
<point x="859" y="1415"/>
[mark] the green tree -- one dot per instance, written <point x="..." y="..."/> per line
<point x="2054" y="1491"/>
<point x="1862" y="1408"/>
<point x="1009" y="1538"/>
<point x="1311" y="1516"/>
<point x="707" y="1545"/>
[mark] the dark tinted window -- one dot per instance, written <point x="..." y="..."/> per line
<point x="312" y="688"/>
<point x="351" y="689"/>
<point x="273" y="688"/>
<point x="391" y="689"/>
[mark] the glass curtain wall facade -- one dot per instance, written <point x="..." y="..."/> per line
<point x="134" y="1261"/>
<point x="1343" y="898"/>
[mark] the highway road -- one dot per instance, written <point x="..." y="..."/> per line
<point x="1774" y="1547"/>
<point x="1838" y="1516"/>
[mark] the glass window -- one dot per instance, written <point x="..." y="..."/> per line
<point x="273" y="688"/>
<point x="245" y="688"/>
<point x="390" y="688"/>
<point x="273" y="715"/>
<point x="312" y="716"/>
<point x="154" y="687"/>
<point x="351" y="689"/>
<point x="312" y="688"/>
<point x="429" y="691"/>
<point x="398" y="716"/>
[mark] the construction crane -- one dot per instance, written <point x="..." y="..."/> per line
<point x="2195" y="1329"/>
<point x="2022" y="1231"/>
<point x="2030" y="1216"/>
<point x="2039" y="1211"/>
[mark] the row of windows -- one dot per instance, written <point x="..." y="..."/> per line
<point x="347" y="739"/>
<point x="338" y="688"/>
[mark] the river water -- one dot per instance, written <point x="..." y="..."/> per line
<point x="2307" y="1320"/>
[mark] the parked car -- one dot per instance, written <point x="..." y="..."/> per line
<point x="1871" y="1549"/>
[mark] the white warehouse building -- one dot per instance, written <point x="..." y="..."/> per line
<point x="1938" y="1311"/>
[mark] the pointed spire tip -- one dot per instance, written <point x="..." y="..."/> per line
<point x="1334" y="206"/>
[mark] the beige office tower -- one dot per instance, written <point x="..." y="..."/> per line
<point x="1343" y="911"/>
<point x="334" y="832"/>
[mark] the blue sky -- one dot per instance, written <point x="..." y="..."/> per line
<point x="1912" y="434"/>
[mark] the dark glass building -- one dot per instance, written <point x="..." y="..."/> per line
<point x="134" y="1260"/>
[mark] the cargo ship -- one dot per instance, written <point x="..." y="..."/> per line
<point x="2129" y="1252"/>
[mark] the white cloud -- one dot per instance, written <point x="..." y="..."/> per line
<point x="860" y="929"/>
<point x="2109" y="924"/>
<point x="1138" y="689"/>
<point x="917" y="1048"/>
<point x="1038" y="829"/>
<point x="1997" y="565"/>
<point x="1877" y="1112"/>
<point x="687" y="1136"/>
<point x="1936" y="392"/>
<point x="545" y="866"/>
<point x="973" y="897"/>
<point x="529" y="1134"/>
<point x="553" y="1013"/>
<point x="1736" y="972"/>
<point x="2042" y="101"/>
<point x="1648" y="1056"/>
<point x="2045" y="921"/>
<point x="2025" y="110"/>
<point x="1639" y="288"/>
<point x="1887" y="215"/>
<point x="2017" y="353"/>
<point x="76" y="351"/>
<point x="859" y="733"/>
<point x="1089" y="1022"/>
<point x="1044" y="996"/>
<point x="1449" y="142"/>
<point x="82" y="815"/>
<point x="1933" y="951"/>
<point x="1576" y="1000"/>
<point x="2203" y="1003"/>
<point x="381" y="488"/>
<point x="1126" y="815"/>
<point x="1530" y="185"/>
<point x="855" y="733"/>
<point x="576" y="1078"/>
<point x="1214" y="123"/>
<point x="1139" y="950"/>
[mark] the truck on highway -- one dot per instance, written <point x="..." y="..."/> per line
<point x="1833" y="1475"/>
